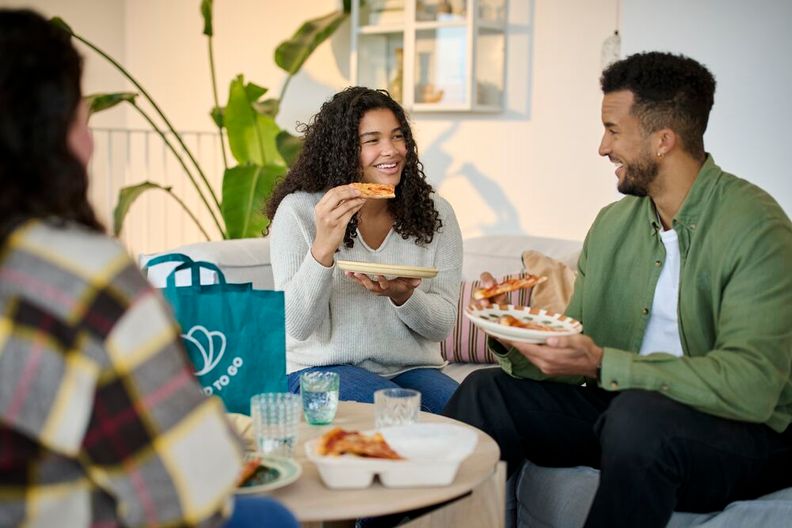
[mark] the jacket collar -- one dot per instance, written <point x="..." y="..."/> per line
<point x="695" y="201"/>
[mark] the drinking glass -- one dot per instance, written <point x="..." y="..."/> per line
<point x="319" y="392"/>
<point x="396" y="407"/>
<point x="276" y="416"/>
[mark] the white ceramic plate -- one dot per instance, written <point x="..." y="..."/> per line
<point x="432" y="453"/>
<point x="487" y="320"/>
<point x="388" y="270"/>
<point x="273" y="473"/>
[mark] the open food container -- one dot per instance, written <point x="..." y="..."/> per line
<point x="431" y="454"/>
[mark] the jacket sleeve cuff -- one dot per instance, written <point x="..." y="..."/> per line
<point x="616" y="366"/>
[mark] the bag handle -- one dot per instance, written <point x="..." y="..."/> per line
<point x="195" y="266"/>
<point x="168" y="257"/>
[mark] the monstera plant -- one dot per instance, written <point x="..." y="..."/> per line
<point x="262" y="151"/>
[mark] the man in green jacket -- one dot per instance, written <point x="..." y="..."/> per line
<point x="679" y="390"/>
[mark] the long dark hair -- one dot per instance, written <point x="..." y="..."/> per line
<point x="330" y="157"/>
<point x="39" y="94"/>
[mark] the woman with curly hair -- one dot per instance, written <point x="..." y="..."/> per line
<point x="376" y="332"/>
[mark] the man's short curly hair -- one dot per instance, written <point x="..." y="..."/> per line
<point x="671" y="91"/>
<point x="331" y="157"/>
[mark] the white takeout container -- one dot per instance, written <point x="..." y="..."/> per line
<point x="432" y="453"/>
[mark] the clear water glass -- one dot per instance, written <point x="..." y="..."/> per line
<point x="319" y="392"/>
<point x="276" y="416"/>
<point x="396" y="407"/>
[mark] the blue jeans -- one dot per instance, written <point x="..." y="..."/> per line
<point x="358" y="384"/>
<point x="253" y="512"/>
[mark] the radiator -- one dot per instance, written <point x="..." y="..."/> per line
<point x="156" y="222"/>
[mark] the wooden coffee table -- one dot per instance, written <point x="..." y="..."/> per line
<point x="476" y="496"/>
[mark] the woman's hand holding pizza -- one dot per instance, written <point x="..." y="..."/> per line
<point x="332" y="214"/>
<point x="399" y="289"/>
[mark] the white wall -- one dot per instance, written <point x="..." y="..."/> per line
<point x="748" y="47"/>
<point x="100" y="20"/>
<point x="533" y="168"/>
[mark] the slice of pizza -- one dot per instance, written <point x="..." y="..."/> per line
<point x="337" y="442"/>
<point x="248" y="469"/>
<point x="509" y="320"/>
<point x="508" y="286"/>
<point x="375" y="190"/>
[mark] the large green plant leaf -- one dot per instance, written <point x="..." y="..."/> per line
<point x="217" y="116"/>
<point x="59" y="22"/>
<point x="102" y="101"/>
<point x="251" y="135"/>
<point x="206" y="13"/>
<point x="289" y="147"/>
<point x="246" y="188"/>
<point x="291" y="54"/>
<point x="126" y="197"/>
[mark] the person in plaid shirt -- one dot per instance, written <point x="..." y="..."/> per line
<point x="101" y="420"/>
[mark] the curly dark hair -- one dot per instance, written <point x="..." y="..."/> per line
<point x="671" y="91"/>
<point x="330" y="157"/>
<point x="39" y="96"/>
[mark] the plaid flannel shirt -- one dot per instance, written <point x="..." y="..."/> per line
<point x="101" y="420"/>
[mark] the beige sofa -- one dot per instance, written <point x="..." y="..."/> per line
<point x="248" y="260"/>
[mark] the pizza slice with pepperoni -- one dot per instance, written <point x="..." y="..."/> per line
<point x="375" y="190"/>
<point x="508" y="285"/>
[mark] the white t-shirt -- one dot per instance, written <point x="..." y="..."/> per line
<point x="662" y="330"/>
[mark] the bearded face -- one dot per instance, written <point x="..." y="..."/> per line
<point x="638" y="174"/>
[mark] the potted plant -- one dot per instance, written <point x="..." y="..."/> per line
<point x="262" y="151"/>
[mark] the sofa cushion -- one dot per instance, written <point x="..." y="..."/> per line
<point x="561" y="498"/>
<point x="242" y="260"/>
<point x="466" y="343"/>
<point x="500" y="254"/>
<point x="553" y="294"/>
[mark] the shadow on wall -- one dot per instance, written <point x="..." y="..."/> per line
<point x="489" y="191"/>
<point x="507" y="219"/>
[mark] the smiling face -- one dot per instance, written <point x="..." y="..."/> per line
<point x="626" y="145"/>
<point x="382" y="147"/>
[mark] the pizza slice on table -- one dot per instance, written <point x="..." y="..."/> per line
<point x="507" y="286"/>
<point x="375" y="190"/>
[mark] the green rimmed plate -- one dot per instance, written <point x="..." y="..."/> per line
<point x="272" y="473"/>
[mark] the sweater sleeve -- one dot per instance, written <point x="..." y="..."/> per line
<point x="306" y="283"/>
<point x="432" y="313"/>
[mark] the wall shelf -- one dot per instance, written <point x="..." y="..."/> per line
<point x="432" y="55"/>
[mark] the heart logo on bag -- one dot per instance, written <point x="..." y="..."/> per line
<point x="211" y="346"/>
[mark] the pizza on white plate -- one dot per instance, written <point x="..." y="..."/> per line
<point x="510" y="320"/>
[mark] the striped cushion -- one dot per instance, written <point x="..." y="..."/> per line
<point x="466" y="343"/>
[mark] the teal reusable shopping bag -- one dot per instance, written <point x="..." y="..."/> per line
<point x="234" y="335"/>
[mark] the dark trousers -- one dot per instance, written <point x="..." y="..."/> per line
<point x="655" y="455"/>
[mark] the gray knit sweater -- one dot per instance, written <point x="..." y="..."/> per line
<point x="333" y="320"/>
